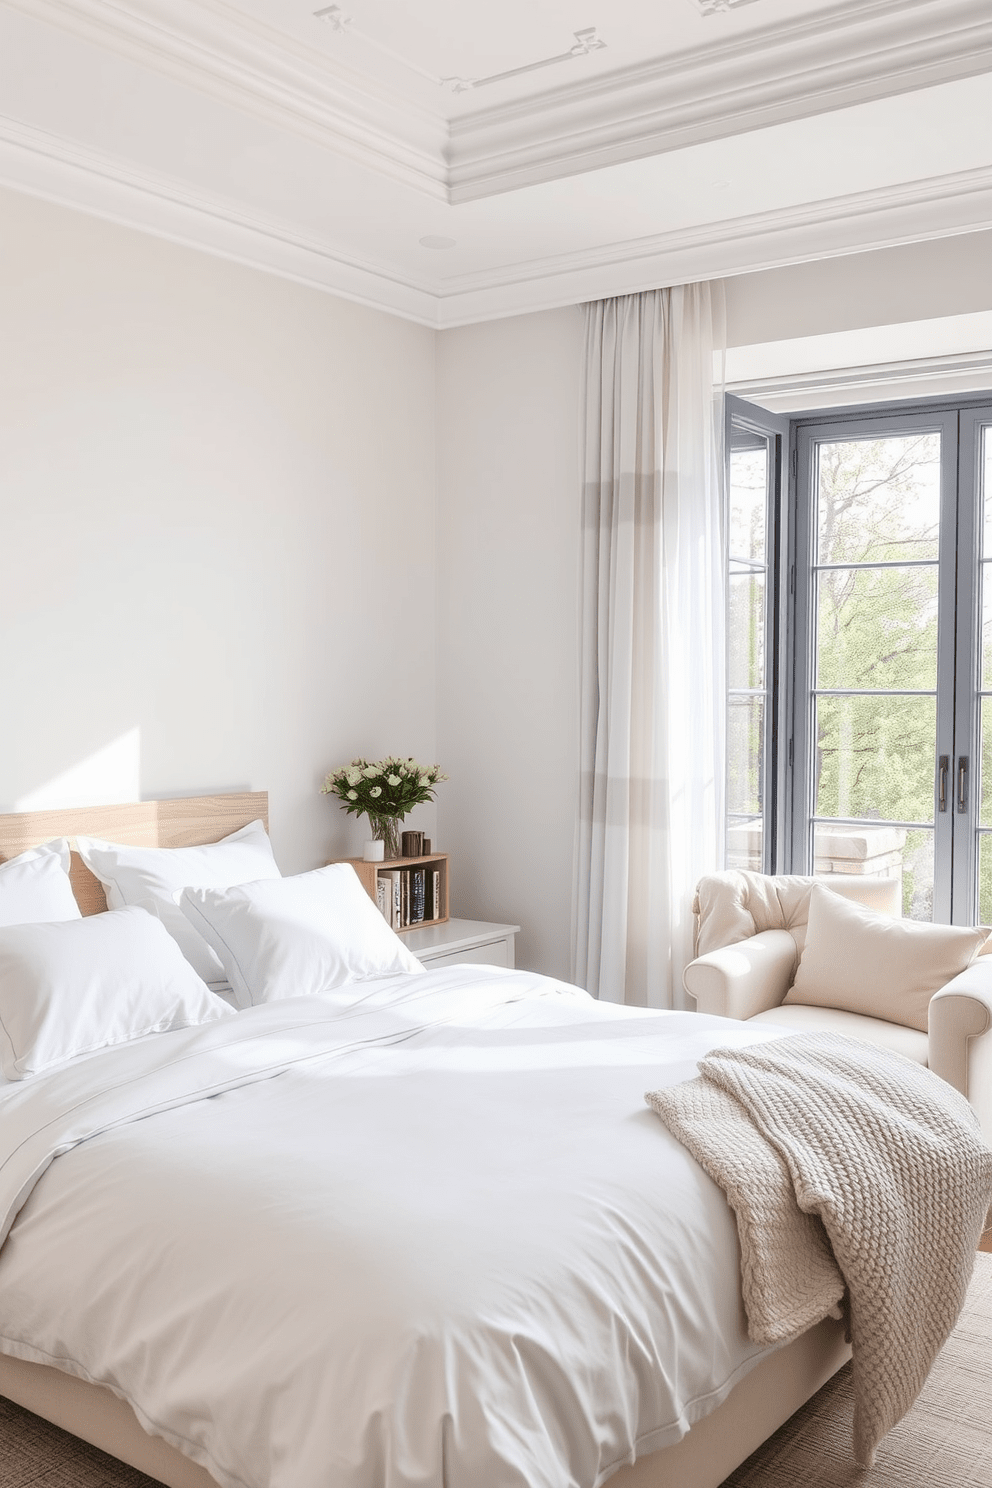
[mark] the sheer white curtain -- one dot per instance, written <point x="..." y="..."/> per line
<point x="653" y="692"/>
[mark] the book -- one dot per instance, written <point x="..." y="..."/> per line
<point x="434" y="896"/>
<point x="384" y="896"/>
<point x="404" y="897"/>
<point x="417" y="891"/>
<point x="392" y="877"/>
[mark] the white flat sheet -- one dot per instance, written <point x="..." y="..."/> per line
<point x="447" y="1244"/>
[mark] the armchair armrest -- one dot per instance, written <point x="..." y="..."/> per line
<point x="741" y="980"/>
<point x="960" y="1037"/>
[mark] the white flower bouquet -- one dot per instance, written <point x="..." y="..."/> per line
<point x="385" y="791"/>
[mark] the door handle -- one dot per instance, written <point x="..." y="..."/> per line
<point x="942" y="769"/>
<point x="962" y="782"/>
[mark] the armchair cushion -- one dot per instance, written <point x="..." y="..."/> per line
<point x="862" y="962"/>
<point x="908" y="1042"/>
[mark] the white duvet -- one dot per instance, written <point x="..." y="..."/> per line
<point x="423" y="1232"/>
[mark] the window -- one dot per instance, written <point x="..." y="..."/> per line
<point x="882" y="698"/>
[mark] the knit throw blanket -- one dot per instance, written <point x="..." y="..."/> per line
<point x="850" y="1170"/>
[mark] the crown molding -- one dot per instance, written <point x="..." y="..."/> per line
<point x="883" y="218"/>
<point x="956" y="366"/>
<point x="61" y="171"/>
<point x="853" y="53"/>
<point x="240" y="62"/>
<point x="915" y="377"/>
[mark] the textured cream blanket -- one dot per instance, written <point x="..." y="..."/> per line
<point x="848" y="1167"/>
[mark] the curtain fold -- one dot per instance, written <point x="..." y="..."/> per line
<point x="652" y="691"/>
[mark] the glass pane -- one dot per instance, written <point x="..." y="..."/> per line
<point x="745" y="742"/>
<point x="746" y="630"/>
<point x="748" y="495"/>
<point x="745" y="843"/>
<point x="985" y="495"/>
<point x="878" y="500"/>
<point x="874" y="757"/>
<point x="985" y="573"/>
<point x="985" y="752"/>
<point x="877" y="627"/>
<point x="984" y="879"/>
<point x="985" y="583"/>
<point x="877" y="850"/>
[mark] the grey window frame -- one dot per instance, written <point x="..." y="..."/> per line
<point x="776" y="429"/>
<point x="788" y="838"/>
<point x="974" y="416"/>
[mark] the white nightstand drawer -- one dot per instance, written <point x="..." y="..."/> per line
<point x="458" y="941"/>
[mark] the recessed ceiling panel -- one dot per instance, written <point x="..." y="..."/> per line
<point x="420" y="48"/>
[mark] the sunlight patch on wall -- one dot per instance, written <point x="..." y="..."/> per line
<point x="107" y="777"/>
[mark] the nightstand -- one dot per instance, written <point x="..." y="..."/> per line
<point x="462" y="940"/>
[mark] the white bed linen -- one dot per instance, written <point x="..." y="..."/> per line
<point x="448" y="1243"/>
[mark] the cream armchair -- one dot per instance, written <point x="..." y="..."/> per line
<point x="750" y="933"/>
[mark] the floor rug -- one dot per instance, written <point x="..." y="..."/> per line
<point x="944" y="1442"/>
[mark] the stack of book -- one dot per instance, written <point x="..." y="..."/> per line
<point x="409" y="896"/>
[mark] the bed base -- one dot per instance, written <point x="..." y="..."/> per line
<point x="754" y="1409"/>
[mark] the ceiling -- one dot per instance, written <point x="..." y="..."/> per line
<point x="549" y="151"/>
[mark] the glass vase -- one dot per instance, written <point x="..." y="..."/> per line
<point x="386" y="829"/>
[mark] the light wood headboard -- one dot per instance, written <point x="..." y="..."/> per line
<point x="183" y="823"/>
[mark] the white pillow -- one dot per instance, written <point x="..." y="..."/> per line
<point x="35" y="886"/>
<point x="153" y="876"/>
<point x="79" y="985"/>
<point x="863" y="962"/>
<point x="298" y="936"/>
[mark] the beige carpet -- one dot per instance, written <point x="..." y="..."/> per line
<point x="944" y="1442"/>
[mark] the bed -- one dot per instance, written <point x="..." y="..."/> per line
<point x="502" y="1118"/>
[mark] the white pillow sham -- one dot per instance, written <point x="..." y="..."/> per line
<point x="863" y="962"/>
<point x="296" y="937"/>
<point x="35" y="887"/>
<point x="73" y="987"/>
<point x="152" y="877"/>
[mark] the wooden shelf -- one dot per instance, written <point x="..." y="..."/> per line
<point x="369" y="872"/>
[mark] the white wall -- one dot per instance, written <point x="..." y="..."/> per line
<point x="918" y="281"/>
<point x="217" y="544"/>
<point x="508" y="527"/>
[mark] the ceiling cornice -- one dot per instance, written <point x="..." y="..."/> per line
<point x="60" y="170"/>
<point x="872" y="382"/>
<point x="882" y="218"/>
<point x="230" y="57"/>
<point x="854" y="53"/>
